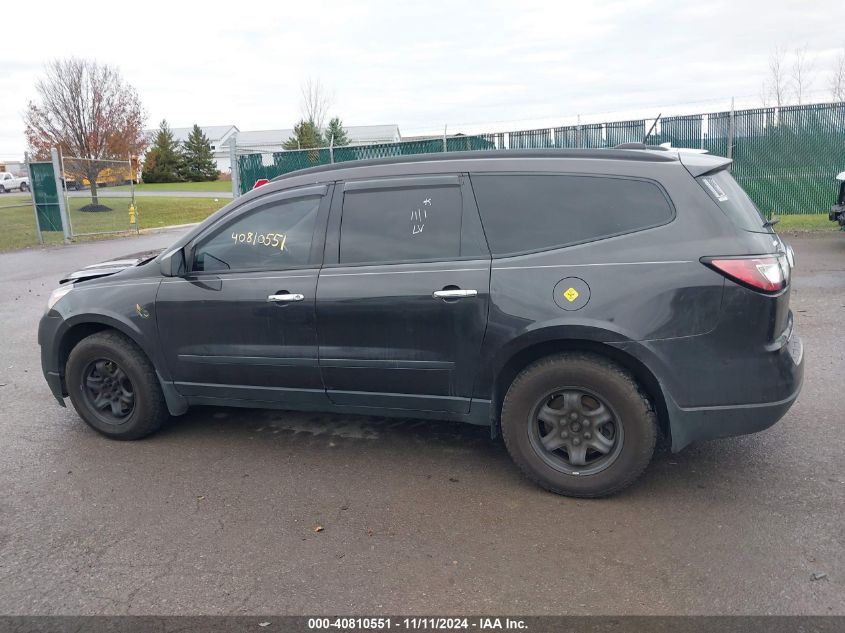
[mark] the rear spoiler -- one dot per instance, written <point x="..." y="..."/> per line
<point x="702" y="164"/>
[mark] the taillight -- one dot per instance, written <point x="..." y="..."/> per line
<point x="766" y="273"/>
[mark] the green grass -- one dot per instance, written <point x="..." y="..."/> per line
<point x="8" y="199"/>
<point x="17" y="227"/>
<point x="17" y="224"/>
<point x="814" y="222"/>
<point x="156" y="212"/>
<point x="214" y="185"/>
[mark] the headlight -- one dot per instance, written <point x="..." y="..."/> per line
<point x="57" y="294"/>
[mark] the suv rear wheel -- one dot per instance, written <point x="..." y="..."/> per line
<point x="114" y="387"/>
<point x="578" y="425"/>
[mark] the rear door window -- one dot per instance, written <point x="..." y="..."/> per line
<point x="523" y="213"/>
<point x="733" y="201"/>
<point x="384" y="224"/>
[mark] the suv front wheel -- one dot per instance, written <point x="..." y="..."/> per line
<point x="114" y="387"/>
<point x="578" y="425"/>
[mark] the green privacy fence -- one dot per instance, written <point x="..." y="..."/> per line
<point x="46" y="197"/>
<point x="786" y="158"/>
<point x="254" y="165"/>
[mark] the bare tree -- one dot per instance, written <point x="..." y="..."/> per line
<point x="86" y="110"/>
<point x="802" y="69"/>
<point x="315" y="102"/>
<point x="776" y="87"/>
<point x="837" y="82"/>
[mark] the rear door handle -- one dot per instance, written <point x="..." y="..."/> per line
<point x="286" y="298"/>
<point x="453" y="294"/>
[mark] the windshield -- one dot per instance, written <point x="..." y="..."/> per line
<point x="733" y="201"/>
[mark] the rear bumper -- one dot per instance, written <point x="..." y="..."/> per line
<point x="694" y="424"/>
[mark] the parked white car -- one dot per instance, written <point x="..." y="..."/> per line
<point x="9" y="182"/>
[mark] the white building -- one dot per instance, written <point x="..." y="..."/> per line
<point x="15" y="167"/>
<point x="218" y="136"/>
<point x="269" y="141"/>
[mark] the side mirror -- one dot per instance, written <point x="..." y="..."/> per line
<point x="173" y="263"/>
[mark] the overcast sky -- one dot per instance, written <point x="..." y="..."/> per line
<point x="473" y="66"/>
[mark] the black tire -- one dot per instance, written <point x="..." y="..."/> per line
<point x="627" y="425"/>
<point x="91" y="362"/>
<point x="2" y="189"/>
<point x="24" y="187"/>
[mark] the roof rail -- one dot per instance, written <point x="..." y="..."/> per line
<point x="594" y="153"/>
<point x="659" y="148"/>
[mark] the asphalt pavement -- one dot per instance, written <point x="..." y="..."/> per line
<point x="254" y="512"/>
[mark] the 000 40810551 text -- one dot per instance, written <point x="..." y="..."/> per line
<point x="274" y="240"/>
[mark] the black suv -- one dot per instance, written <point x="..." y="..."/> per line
<point x="581" y="302"/>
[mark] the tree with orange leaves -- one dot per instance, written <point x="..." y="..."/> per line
<point x="86" y="110"/>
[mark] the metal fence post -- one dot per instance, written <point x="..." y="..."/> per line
<point x="731" y="131"/>
<point x="57" y="174"/>
<point x="233" y="163"/>
<point x="132" y="206"/>
<point x="580" y="139"/>
<point x="445" y="145"/>
<point x="331" y="149"/>
<point x="62" y="193"/>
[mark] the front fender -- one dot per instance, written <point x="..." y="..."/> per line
<point x="128" y="307"/>
<point x="115" y="321"/>
<point x="53" y="334"/>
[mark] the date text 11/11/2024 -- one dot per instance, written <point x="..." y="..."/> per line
<point x="274" y="240"/>
<point x="417" y="623"/>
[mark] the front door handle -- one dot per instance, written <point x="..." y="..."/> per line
<point x="453" y="294"/>
<point x="286" y="298"/>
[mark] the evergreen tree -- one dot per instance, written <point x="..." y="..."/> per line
<point x="306" y="135"/>
<point x="336" y="131"/>
<point x="163" y="160"/>
<point x="197" y="159"/>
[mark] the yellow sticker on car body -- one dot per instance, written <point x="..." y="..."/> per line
<point x="571" y="294"/>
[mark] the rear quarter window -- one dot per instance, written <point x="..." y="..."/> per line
<point x="733" y="201"/>
<point x="524" y="213"/>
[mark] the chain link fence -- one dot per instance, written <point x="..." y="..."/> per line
<point x="786" y="158"/>
<point x="99" y="196"/>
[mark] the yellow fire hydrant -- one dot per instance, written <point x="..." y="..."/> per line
<point x="131" y="214"/>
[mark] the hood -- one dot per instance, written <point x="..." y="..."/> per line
<point x="111" y="266"/>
